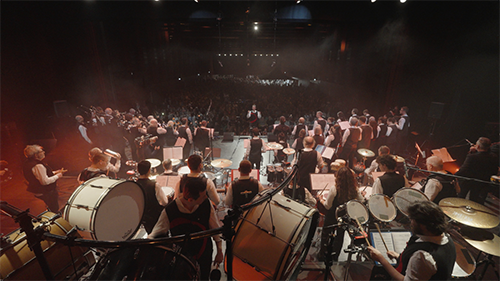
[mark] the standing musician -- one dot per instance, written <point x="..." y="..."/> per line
<point x="202" y="137"/>
<point x="320" y="122"/>
<point x="392" y="134"/>
<point x="82" y="129"/>
<point x="350" y="139"/>
<point x="253" y="116"/>
<point x="244" y="189"/>
<point x="185" y="133"/>
<point x="319" y="139"/>
<point x="391" y="181"/>
<point x="152" y="208"/>
<point x="381" y="138"/>
<point x="40" y="177"/>
<point x="171" y="134"/>
<point x="436" y="186"/>
<point x="255" y="149"/>
<point x="403" y="126"/>
<point x="430" y="253"/>
<point x="298" y="144"/>
<point x="366" y="133"/>
<point x="98" y="168"/>
<point x="282" y="128"/>
<point x="308" y="161"/>
<point x="279" y="155"/>
<point x="301" y="125"/>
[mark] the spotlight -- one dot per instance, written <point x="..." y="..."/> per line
<point x="224" y="54"/>
<point x="179" y="79"/>
<point x="230" y="55"/>
<point x="402" y="1"/>
<point x="373" y="1"/>
<point x="256" y="28"/>
<point x="298" y="1"/>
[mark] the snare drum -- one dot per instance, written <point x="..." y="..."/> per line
<point x="18" y="262"/>
<point x="111" y="210"/>
<point x="382" y="208"/>
<point x="184" y="170"/>
<point x="404" y="197"/>
<point x="261" y="253"/>
<point x="352" y="210"/>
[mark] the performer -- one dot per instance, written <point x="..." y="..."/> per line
<point x="167" y="167"/>
<point x="185" y="133"/>
<point x="255" y="149"/>
<point x="298" y="144"/>
<point x="392" y="135"/>
<point x="190" y="213"/>
<point x="390" y="182"/>
<point x="382" y="129"/>
<point x="98" y="168"/>
<point x="320" y="122"/>
<point x="152" y="208"/>
<point x="344" y="190"/>
<point x="282" y="128"/>
<point x="318" y="137"/>
<point x="202" y="137"/>
<point x="156" y="131"/>
<point x="366" y="133"/>
<point x="279" y="155"/>
<point x="438" y="187"/>
<point x="354" y="114"/>
<point x="308" y="161"/>
<point x="113" y="168"/>
<point x="301" y="125"/>
<point x="430" y="253"/>
<point x="40" y="177"/>
<point x="82" y="129"/>
<point x="404" y="129"/>
<point x="350" y="139"/>
<point x="479" y="164"/>
<point x="383" y="150"/>
<point x="195" y="164"/>
<point x="171" y="134"/>
<point x="244" y="189"/>
<point x="334" y="137"/>
<point x="253" y="116"/>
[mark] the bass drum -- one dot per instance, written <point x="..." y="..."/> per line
<point x="108" y="209"/>
<point x="18" y="262"/>
<point x="273" y="239"/>
<point x="145" y="263"/>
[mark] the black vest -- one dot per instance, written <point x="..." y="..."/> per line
<point x="202" y="137"/>
<point x="300" y="193"/>
<point x="201" y="181"/>
<point x="322" y="123"/>
<point x="183" y="133"/>
<point x="34" y="185"/>
<point x="152" y="130"/>
<point x="307" y="165"/>
<point x="391" y="182"/>
<point x="394" y="133"/>
<point x="406" y="127"/>
<point x="366" y="132"/>
<point x="353" y="139"/>
<point x="86" y="175"/>
<point x="255" y="148"/>
<point x="182" y="223"/>
<point x="320" y="140"/>
<point x="170" y="137"/>
<point x="448" y="187"/>
<point x="382" y="138"/>
<point x="152" y="208"/>
<point x="443" y="255"/>
<point x="244" y="191"/>
<point x="299" y="128"/>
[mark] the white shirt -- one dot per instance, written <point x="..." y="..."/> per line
<point x="329" y="140"/>
<point x="211" y="191"/>
<point x="229" y="195"/>
<point x="432" y="188"/>
<point x="347" y="133"/>
<point x="254" y="111"/>
<point x="333" y="193"/>
<point x="116" y="167"/>
<point x="373" y="168"/>
<point x="402" y="121"/>
<point x="83" y="132"/>
<point x="421" y="265"/>
<point x="40" y="173"/>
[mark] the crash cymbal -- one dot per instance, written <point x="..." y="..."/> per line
<point x="366" y="152"/>
<point x="398" y="159"/>
<point x="175" y="162"/>
<point x="469" y="212"/>
<point x="274" y="145"/>
<point x="289" y="151"/>
<point x="482" y="240"/>
<point x="131" y="163"/>
<point x="154" y="162"/>
<point x="221" y="163"/>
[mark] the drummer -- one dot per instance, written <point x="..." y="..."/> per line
<point x="152" y="208"/>
<point x="113" y="168"/>
<point x="344" y="190"/>
<point x="98" y="168"/>
<point x="167" y="166"/>
<point x="195" y="164"/>
<point x="438" y="186"/>
<point x="391" y="181"/>
<point x="430" y="253"/>
<point x="383" y="150"/>
<point x="255" y="149"/>
<point x="244" y="189"/>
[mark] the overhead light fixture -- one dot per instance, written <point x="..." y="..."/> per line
<point x="373" y="1"/>
<point x="298" y="1"/>
<point x="402" y="1"/>
<point x="256" y="28"/>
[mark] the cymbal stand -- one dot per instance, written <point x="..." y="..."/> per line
<point x="488" y="261"/>
<point x="351" y="249"/>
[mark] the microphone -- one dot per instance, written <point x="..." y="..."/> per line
<point x="471" y="144"/>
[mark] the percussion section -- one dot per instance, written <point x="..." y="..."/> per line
<point x="382" y="208"/>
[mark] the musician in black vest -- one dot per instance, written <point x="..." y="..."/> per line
<point x="82" y="130"/>
<point x="392" y="134"/>
<point x="171" y="134"/>
<point x="404" y="129"/>
<point x="350" y="139"/>
<point x="438" y="186"/>
<point x="366" y="133"/>
<point x="381" y="138"/>
<point x="391" y="181"/>
<point x="308" y="161"/>
<point x="298" y="144"/>
<point x="243" y="189"/>
<point x="98" y="168"/>
<point x="202" y="136"/>
<point x="40" y="177"/>
<point x="320" y="122"/>
<point x="152" y="208"/>
<point x="429" y="254"/>
<point x="301" y="125"/>
<point x="318" y="137"/>
<point x="255" y="149"/>
<point x="282" y="128"/>
<point x="185" y="133"/>
<point x="189" y="213"/>
<point x="383" y="150"/>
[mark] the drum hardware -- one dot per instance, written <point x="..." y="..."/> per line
<point x="398" y="159"/>
<point x="274" y="146"/>
<point x="404" y="197"/>
<point x="469" y="213"/>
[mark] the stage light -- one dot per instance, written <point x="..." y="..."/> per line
<point x="272" y="55"/>
<point x="298" y="1"/>
<point x="224" y="54"/>
<point x="198" y="74"/>
<point x="241" y="54"/>
<point x="373" y="1"/>
<point x="196" y="1"/>
<point x="261" y="55"/>
<point x="266" y="55"/>
<point x="402" y="1"/>
<point x="179" y="79"/>
<point x="219" y="55"/>
<point x="256" y="28"/>
<point x="230" y="55"/>
<point x="209" y="72"/>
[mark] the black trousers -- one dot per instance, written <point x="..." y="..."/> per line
<point x="51" y="199"/>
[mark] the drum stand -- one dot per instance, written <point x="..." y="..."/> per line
<point x="488" y="261"/>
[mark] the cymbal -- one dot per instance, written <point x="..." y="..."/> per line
<point x="482" y="240"/>
<point x="221" y="163"/>
<point x="398" y="159"/>
<point x="131" y="163"/>
<point x="469" y="212"/>
<point x="289" y="151"/>
<point x="154" y="162"/>
<point x="274" y="145"/>
<point x="366" y="152"/>
<point x="209" y="175"/>
<point x="175" y="162"/>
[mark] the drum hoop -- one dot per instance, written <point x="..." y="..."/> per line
<point x="360" y="203"/>
<point x="404" y="189"/>
<point x="392" y="203"/>
<point x="96" y="207"/>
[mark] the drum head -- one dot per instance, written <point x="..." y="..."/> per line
<point x="382" y="208"/>
<point x="404" y="197"/>
<point x="356" y="210"/>
<point x="183" y="170"/>
<point x="465" y="263"/>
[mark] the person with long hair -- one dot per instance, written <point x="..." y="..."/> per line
<point x="344" y="190"/>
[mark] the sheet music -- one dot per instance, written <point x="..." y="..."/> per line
<point x="319" y="181"/>
<point x="236" y="174"/>
<point x="311" y="133"/>
<point x="325" y="151"/>
<point x="180" y="142"/>
<point x="400" y="238"/>
<point x="378" y="244"/>
<point x="172" y="152"/>
<point x="417" y="185"/>
<point x="443" y="154"/>
<point x="344" y="125"/>
<point x="170" y="181"/>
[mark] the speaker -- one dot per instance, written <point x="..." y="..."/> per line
<point x="228" y="137"/>
<point x="436" y="110"/>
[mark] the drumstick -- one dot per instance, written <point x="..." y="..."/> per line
<point x="362" y="232"/>
<point x="378" y="228"/>
<point x="317" y="196"/>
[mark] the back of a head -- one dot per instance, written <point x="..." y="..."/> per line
<point x="194" y="162"/>
<point x="318" y="131"/>
<point x="184" y="121"/>
<point x="167" y="164"/>
<point x="255" y="132"/>
<point x="170" y="124"/>
<point x="31" y="150"/>
<point x="203" y="123"/>
<point x="483" y="143"/>
<point x="384" y="150"/>
<point x="79" y="118"/>
<point x="429" y="214"/>
<point x="366" y="112"/>
<point x="302" y="133"/>
<point x="345" y="182"/>
<point x="94" y="151"/>
<point x="405" y="109"/>
<point x="193" y="189"/>
<point x="99" y="157"/>
<point x="362" y="119"/>
<point x="354" y="121"/>
<point x="143" y="167"/>
<point x="309" y="142"/>
<point x="319" y="114"/>
<point x="382" y="119"/>
<point x="354" y="111"/>
<point x="340" y="114"/>
<point x="392" y="120"/>
<point x="153" y="122"/>
<point x="302" y="120"/>
<point x="388" y="161"/>
<point x="436" y="162"/>
<point x="245" y="167"/>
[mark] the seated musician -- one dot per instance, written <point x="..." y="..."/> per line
<point x="189" y="213"/>
<point x="391" y="181"/>
<point x="344" y="190"/>
<point x="430" y="253"/>
<point x="383" y="150"/>
<point x="195" y="164"/>
<point x="437" y="186"/>
<point x="244" y="189"/>
<point x="167" y="166"/>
